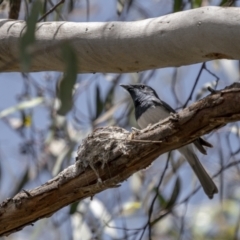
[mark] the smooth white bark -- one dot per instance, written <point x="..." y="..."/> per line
<point x="177" y="39"/>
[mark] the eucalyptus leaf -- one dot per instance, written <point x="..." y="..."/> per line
<point x="66" y="84"/>
<point x="28" y="38"/>
<point x="23" y="105"/>
<point x="197" y="3"/>
<point x="177" y="5"/>
<point x="99" y="103"/>
<point x="175" y="194"/>
<point x="73" y="207"/>
<point x="161" y="199"/>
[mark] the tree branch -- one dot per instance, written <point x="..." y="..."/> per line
<point x="113" y="154"/>
<point x="177" y="39"/>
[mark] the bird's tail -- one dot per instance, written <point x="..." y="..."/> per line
<point x="207" y="183"/>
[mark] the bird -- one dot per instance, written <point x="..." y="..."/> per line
<point x="150" y="109"/>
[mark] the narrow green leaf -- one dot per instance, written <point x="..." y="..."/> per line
<point x="161" y="199"/>
<point x="227" y="3"/>
<point x="66" y="84"/>
<point x="28" y="38"/>
<point x="73" y="207"/>
<point x="44" y="9"/>
<point x="197" y="3"/>
<point x="99" y="102"/>
<point x="167" y="206"/>
<point x="175" y="194"/>
<point x="177" y="5"/>
<point x="70" y="6"/>
<point x="23" y="105"/>
<point x="109" y="99"/>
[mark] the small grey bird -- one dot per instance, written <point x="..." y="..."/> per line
<point x="150" y="109"/>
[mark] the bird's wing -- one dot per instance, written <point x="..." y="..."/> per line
<point x="162" y="103"/>
<point x="200" y="142"/>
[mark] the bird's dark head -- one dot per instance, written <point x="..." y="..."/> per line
<point x="144" y="97"/>
<point x="140" y="92"/>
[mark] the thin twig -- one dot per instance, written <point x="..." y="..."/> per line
<point x="195" y="84"/>
<point x="153" y="201"/>
<point x="51" y="10"/>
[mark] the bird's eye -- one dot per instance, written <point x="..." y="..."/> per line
<point x="142" y="86"/>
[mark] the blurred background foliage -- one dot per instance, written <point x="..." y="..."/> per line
<point x="44" y="116"/>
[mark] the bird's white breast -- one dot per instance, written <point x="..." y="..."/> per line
<point x="152" y="116"/>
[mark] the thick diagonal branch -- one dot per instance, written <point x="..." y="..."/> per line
<point x="113" y="154"/>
